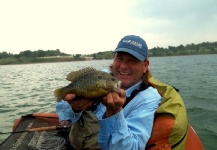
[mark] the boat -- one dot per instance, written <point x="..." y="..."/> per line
<point x="171" y="129"/>
<point x="47" y="134"/>
<point x="36" y="132"/>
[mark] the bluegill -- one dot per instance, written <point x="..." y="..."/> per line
<point x="88" y="83"/>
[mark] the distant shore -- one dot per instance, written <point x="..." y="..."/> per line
<point x="59" y="60"/>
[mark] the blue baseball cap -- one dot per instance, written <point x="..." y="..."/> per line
<point x="133" y="45"/>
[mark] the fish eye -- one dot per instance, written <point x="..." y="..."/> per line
<point x="99" y="77"/>
<point x="113" y="79"/>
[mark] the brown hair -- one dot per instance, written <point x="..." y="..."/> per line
<point x="145" y="77"/>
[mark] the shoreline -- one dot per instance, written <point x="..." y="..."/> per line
<point x="56" y="61"/>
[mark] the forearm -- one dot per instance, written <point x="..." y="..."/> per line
<point x="65" y="112"/>
<point x="115" y="133"/>
<point x="130" y="128"/>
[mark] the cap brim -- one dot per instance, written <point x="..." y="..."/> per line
<point x="132" y="52"/>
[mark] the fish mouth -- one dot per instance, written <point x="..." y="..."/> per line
<point x="118" y="84"/>
<point x="117" y="87"/>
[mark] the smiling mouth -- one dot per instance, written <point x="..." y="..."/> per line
<point x="124" y="73"/>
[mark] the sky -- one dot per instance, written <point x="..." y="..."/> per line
<point x="91" y="26"/>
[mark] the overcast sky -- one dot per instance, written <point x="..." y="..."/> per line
<point x="91" y="26"/>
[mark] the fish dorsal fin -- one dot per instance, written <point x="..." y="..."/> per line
<point x="72" y="76"/>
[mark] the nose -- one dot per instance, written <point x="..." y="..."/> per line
<point x="123" y="64"/>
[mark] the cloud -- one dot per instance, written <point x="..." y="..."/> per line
<point x="91" y="26"/>
<point x="179" y="22"/>
<point x="75" y="26"/>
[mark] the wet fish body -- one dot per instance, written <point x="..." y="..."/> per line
<point x="88" y="83"/>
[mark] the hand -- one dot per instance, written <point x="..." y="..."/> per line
<point x="78" y="105"/>
<point x="65" y="123"/>
<point x="114" y="102"/>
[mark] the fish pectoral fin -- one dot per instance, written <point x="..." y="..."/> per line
<point x="58" y="94"/>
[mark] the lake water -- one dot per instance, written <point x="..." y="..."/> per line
<point x="26" y="89"/>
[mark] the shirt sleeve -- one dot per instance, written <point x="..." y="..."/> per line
<point x="65" y="112"/>
<point x="130" y="128"/>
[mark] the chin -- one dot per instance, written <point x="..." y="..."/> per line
<point x="124" y="85"/>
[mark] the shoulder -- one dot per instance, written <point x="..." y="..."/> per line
<point x="148" y="98"/>
<point x="150" y="92"/>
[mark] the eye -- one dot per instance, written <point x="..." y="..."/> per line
<point x="113" y="79"/>
<point x="118" y="59"/>
<point x="133" y="61"/>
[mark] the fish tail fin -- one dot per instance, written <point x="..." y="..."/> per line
<point x="59" y="94"/>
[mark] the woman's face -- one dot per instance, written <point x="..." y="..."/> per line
<point x="128" y="69"/>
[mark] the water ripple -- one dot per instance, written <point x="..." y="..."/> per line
<point x="26" y="89"/>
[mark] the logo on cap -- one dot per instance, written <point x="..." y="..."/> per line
<point x="137" y="44"/>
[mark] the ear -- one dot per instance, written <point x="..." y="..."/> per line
<point x="145" y="66"/>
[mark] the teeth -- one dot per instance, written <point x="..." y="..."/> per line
<point x="122" y="73"/>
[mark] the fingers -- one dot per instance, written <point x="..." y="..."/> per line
<point x="80" y="105"/>
<point x="114" y="102"/>
<point x="119" y="99"/>
<point x="122" y="93"/>
<point x="64" y="122"/>
<point x="69" y="97"/>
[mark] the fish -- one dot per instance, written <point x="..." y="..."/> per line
<point x="88" y="83"/>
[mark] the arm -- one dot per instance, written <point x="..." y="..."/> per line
<point x="130" y="128"/>
<point x="65" y="112"/>
<point x="71" y="109"/>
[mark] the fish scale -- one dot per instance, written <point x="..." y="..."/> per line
<point x="88" y="83"/>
